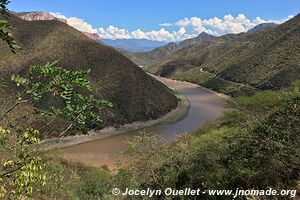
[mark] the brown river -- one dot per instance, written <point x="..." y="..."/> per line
<point x="204" y="107"/>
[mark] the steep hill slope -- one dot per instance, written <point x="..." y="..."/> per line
<point x="262" y="26"/>
<point x="148" y="58"/>
<point x="202" y="37"/>
<point x="135" y="95"/>
<point x="266" y="59"/>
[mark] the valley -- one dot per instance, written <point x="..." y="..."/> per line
<point x="97" y="100"/>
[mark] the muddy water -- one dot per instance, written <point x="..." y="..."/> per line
<point x="204" y="107"/>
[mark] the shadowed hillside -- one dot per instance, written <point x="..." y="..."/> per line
<point x="134" y="94"/>
<point x="239" y="64"/>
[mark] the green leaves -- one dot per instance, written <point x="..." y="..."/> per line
<point x="7" y="36"/>
<point x="27" y="176"/>
<point x="18" y="79"/>
<point x="3" y="4"/>
<point x="20" y="166"/>
<point x="4" y="27"/>
<point x="70" y="87"/>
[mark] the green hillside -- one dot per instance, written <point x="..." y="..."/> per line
<point x="148" y="58"/>
<point x="134" y="94"/>
<point x="242" y="63"/>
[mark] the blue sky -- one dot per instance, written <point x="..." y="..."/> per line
<point x="146" y="15"/>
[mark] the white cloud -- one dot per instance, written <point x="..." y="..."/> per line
<point x="187" y="27"/>
<point x="259" y="20"/>
<point x="77" y="23"/>
<point x="113" y="32"/>
<point x="227" y="24"/>
<point x="166" y="24"/>
<point x="161" y="35"/>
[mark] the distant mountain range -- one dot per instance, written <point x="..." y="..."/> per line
<point x="134" y="45"/>
<point x="134" y="94"/>
<point x="145" y="45"/>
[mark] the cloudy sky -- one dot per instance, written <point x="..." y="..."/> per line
<point x="163" y="20"/>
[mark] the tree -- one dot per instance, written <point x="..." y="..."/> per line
<point x="5" y="35"/>
<point x="70" y="91"/>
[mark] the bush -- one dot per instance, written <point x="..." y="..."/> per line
<point x="68" y="181"/>
<point x="94" y="184"/>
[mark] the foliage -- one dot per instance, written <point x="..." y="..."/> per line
<point x="64" y="86"/>
<point x="145" y="149"/>
<point x="66" y="180"/>
<point x="267" y="152"/>
<point x="94" y="183"/>
<point x="20" y="166"/>
<point x="4" y="27"/>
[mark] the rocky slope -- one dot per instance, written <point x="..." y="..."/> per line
<point x="33" y="16"/>
<point x="93" y="36"/>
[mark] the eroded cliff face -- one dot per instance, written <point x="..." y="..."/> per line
<point x="34" y="16"/>
<point x="93" y="36"/>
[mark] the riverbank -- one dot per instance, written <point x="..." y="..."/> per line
<point x="219" y="95"/>
<point x="173" y="116"/>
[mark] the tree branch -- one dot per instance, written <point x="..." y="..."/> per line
<point x="48" y="124"/>
<point x="68" y="128"/>
<point x="13" y="107"/>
